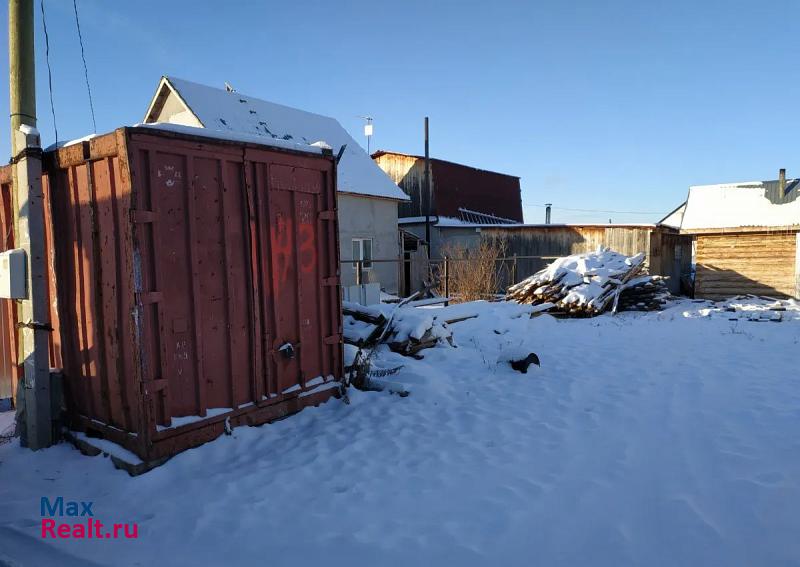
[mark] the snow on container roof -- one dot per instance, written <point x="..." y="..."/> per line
<point x="232" y="137"/>
<point x="218" y="109"/>
<point x="742" y="205"/>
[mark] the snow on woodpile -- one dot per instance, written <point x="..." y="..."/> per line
<point x="736" y="205"/>
<point x="589" y="284"/>
<point x="407" y="330"/>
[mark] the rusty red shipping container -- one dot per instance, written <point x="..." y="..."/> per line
<point x="197" y="284"/>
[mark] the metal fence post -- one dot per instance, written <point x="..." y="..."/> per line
<point x="514" y="270"/>
<point x="359" y="274"/>
<point x="446" y="280"/>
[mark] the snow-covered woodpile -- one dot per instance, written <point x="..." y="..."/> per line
<point x="407" y="330"/>
<point x="644" y="293"/>
<point x="585" y="285"/>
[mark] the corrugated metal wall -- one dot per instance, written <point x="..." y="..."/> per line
<point x="10" y="367"/>
<point x="198" y="279"/>
<point x="91" y="212"/>
<point x="454" y="186"/>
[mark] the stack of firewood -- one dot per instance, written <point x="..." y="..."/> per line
<point x="644" y="293"/>
<point x="585" y="285"/>
<point x="407" y="330"/>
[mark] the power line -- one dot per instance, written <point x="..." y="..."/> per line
<point x="601" y="211"/>
<point x="85" y="69"/>
<point x="49" y="72"/>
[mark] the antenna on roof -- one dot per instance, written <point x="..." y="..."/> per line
<point x="367" y="129"/>
<point x="229" y="88"/>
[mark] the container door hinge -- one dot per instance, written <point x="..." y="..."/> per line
<point x="154" y="386"/>
<point x="148" y="297"/>
<point x="327" y="215"/>
<point x="142" y="217"/>
<point x="333" y="340"/>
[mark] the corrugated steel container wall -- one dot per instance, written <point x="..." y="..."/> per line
<point x="10" y="367"/>
<point x="185" y="264"/>
<point x="90" y="200"/>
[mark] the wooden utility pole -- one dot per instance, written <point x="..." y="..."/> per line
<point x="34" y="410"/>
<point x="427" y="192"/>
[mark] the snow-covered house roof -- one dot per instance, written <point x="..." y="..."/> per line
<point x="749" y="205"/>
<point x="182" y="102"/>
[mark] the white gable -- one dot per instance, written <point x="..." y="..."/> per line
<point x="220" y="110"/>
<point x="736" y="205"/>
<point x="675" y="218"/>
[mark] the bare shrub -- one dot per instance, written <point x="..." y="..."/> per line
<point x="474" y="273"/>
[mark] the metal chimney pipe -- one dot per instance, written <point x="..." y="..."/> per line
<point x="547" y="212"/>
<point x="782" y="181"/>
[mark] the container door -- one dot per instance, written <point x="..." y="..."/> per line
<point x="298" y="325"/>
<point x="196" y="291"/>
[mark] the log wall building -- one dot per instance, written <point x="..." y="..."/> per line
<point x="758" y="263"/>
<point x="747" y="238"/>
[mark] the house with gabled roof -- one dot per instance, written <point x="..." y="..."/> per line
<point x="747" y="238"/>
<point x="367" y="198"/>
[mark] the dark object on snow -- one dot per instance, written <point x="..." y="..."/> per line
<point x="522" y="365"/>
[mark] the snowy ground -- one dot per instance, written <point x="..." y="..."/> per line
<point x="658" y="439"/>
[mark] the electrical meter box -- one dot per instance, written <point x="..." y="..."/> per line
<point x="12" y="275"/>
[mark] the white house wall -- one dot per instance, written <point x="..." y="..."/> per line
<point x="365" y="217"/>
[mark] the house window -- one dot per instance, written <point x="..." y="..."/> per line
<point x="362" y="250"/>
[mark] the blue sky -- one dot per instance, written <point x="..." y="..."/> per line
<point x="614" y="106"/>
